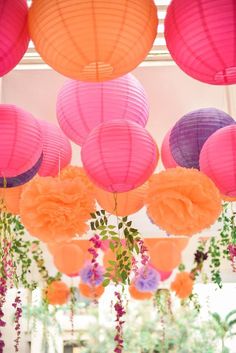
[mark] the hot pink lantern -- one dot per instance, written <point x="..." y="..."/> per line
<point x="166" y="155"/>
<point x="201" y="37"/>
<point x="218" y="159"/>
<point x="14" y="37"/>
<point x="57" y="150"/>
<point x="164" y="275"/>
<point x="20" y="141"/>
<point x="119" y="155"/>
<point x="81" y="106"/>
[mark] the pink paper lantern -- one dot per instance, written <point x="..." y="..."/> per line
<point x="81" y="106"/>
<point x="14" y="37"/>
<point x="119" y="155"/>
<point x="20" y="141"/>
<point x="57" y="150"/>
<point x="166" y="155"/>
<point x="218" y="159"/>
<point x="201" y="37"/>
<point x="164" y="275"/>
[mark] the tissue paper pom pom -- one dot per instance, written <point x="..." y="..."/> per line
<point x="183" y="201"/>
<point x="92" y="276"/>
<point x="11" y="198"/>
<point x="182" y="285"/>
<point x="57" y="293"/>
<point x="91" y="292"/>
<point x="147" y="280"/>
<point x="55" y="209"/>
<point x="139" y="295"/>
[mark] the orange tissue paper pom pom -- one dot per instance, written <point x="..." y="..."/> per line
<point x="11" y="198"/>
<point x="183" y="201"/>
<point x="182" y="285"/>
<point x="56" y="209"/>
<point x="91" y="292"/>
<point x="135" y="294"/>
<point x="72" y="172"/>
<point x="57" y="293"/>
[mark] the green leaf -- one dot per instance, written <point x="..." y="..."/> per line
<point x="106" y="282"/>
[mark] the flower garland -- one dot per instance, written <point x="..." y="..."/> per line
<point x="120" y="312"/>
<point x="18" y="314"/>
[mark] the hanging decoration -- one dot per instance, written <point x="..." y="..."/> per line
<point x="166" y="155"/>
<point x="191" y="132"/>
<point x="136" y="294"/>
<point x="11" y="199"/>
<point x="82" y="106"/>
<point x="57" y="150"/>
<point x="91" y="276"/>
<point x="217" y="159"/>
<point x="111" y="155"/>
<point x="147" y="279"/>
<point x="14" y="36"/>
<point x="49" y="208"/>
<point x="57" y="293"/>
<point x="182" y="285"/>
<point x="165" y="256"/>
<point x="93" y="41"/>
<point x="183" y="201"/>
<point x="68" y="259"/>
<point x="91" y="292"/>
<point x="201" y="39"/>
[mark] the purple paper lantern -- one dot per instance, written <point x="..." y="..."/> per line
<point x="190" y="133"/>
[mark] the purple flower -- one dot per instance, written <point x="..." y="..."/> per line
<point x="92" y="274"/>
<point x="232" y="250"/>
<point x="147" y="280"/>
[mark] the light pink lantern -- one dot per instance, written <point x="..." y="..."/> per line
<point x="166" y="155"/>
<point x="218" y="159"/>
<point x="119" y="155"/>
<point x="20" y="141"/>
<point x="81" y="106"/>
<point x="14" y="37"/>
<point x="57" y="150"/>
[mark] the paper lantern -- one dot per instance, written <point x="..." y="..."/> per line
<point x="166" y="155"/>
<point x="93" y="40"/>
<point x="20" y="141"/>
<point x="201" y="36"/>
<point x="14" y="37"/>
<point x="181" y="243"/>
<point x="57" y="293"/>
<point x="164" y="275"/>
<point x="136" y="294"/>
<point x="165" y="256"/>
<point x="217" y="160"/>
<point x="183" y="201"/>
<point x="68" y="259"/>
<point x="82" y="106"/>
<point x="190" y="133"/>
<point x="57" y="150"/>
<point x="11" y="199"/>
<point x="119" y="155"/>
<point x="121" y="204"/>
<point x="91" y="293"/>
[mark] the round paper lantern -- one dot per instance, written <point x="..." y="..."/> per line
<point x="201" y="36"/>
<point x="11" y="198"/>
<point x="119" y="155"/>
<point x="68" y="258"/>
<point x="82" y="106"/>
<point x="181" y="243"/>
<point x="183" y="201"/>
<point x="20" y="141"/>
<point x="57" y="293"/>
<point x="57" y="150"/>
<point x="89" y="292"/>
<point x="190" y="133"/>
<point x="14" y="37"/>
<point x="121" y="204"/>
<point x="166" y="155"/>
<point x="165" y="256"/>
<point x="93" y="40"/>
<point x="217" y="160"/>
<point x="164" y="275"/>
<point x="136" y="294"/>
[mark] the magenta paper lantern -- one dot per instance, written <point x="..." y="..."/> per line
<point x="119" y="155"/>
<point x="81" y="106"/>
<point x="166" y="155"/>
<point x="14" y="37"/>
<point x="57" y="150"/>
<point x="218" y="159"/>
<point x="20" y="141"/>
<point x="201" y="37"/>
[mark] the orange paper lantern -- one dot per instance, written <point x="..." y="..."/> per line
<point x="181" y="243"/>
<point x="121" y="204"/>
<point x="68" y="258"/>
<point x="165" y="256"/>
<point x="57" y="293"/>
<point x="93" y="40"/>
<point x="91" y="292"/>
<point x="182" y="285"/>
<point x="139" y="295"/>
<point x="11" y="198"/>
